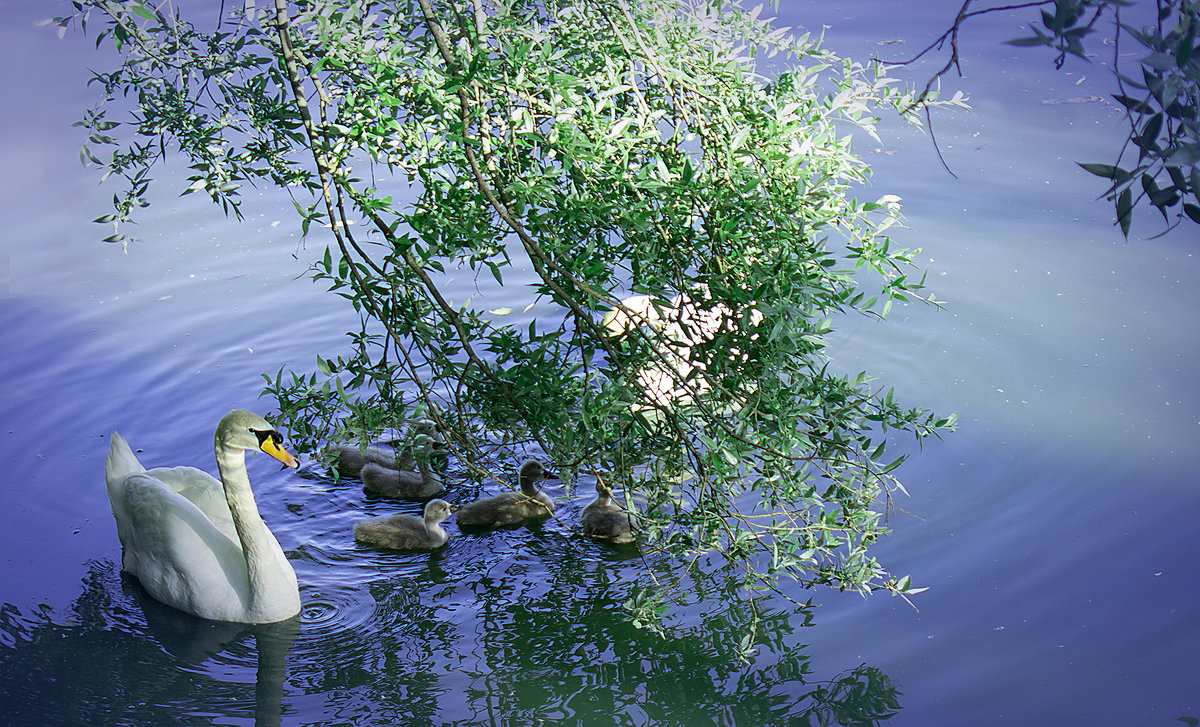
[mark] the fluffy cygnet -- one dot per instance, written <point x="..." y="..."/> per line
<point x="403" y="484"/>
<point x="511" y="508"/>
<point x="349" y="459"/>
<point x="604" y="519"/>
<point x="406" y="532"/>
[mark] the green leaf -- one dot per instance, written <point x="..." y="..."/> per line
<point x="1133" y="104"/>
<point x="1026" y="42"/>
<point x="495" y="271"/>
<point x="1151" y="130"/>
<point x="1125" y="211"/>
<point x="1160" y="61"/>
<point x="1108" y="171"/>
<point x="1183" y="52"/>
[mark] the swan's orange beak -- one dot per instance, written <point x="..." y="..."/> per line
<point x="271" y="446"/>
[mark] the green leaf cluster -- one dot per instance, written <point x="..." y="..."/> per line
<point x="1161" y="102"/>
<point x="686" y="152"/>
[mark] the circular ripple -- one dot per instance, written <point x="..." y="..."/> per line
<point x="330" y="612"/>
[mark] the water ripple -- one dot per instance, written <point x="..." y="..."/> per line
<point x="335" y="611"/>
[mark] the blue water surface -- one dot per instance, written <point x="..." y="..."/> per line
<point x="1054" y="530"/>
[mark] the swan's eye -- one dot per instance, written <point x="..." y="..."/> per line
<point x="265" y="435"/>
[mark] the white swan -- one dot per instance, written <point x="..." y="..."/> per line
<point x="198" y="543"/>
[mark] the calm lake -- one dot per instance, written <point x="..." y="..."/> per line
<point x="1055" y="529"/>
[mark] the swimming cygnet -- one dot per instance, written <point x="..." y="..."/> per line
<point x="350" y="458"/>
<point x="511" y="508"/>
<point x="404" y="484"/>
<point x="604" y="519"/>
<point x="406" y="532"/>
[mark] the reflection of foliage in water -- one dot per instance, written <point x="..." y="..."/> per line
<point x="564" y="649"/>
<point x="97" y="665"/>
<point x="525" y="635"/>
<point x="383" y="672"/>
<point x="526" y="627"/>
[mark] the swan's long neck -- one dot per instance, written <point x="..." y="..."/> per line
<point x="256" y="540"/>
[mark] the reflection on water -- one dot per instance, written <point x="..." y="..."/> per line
<point x="1055" y="529"/>
<point x="482" y="651"/>
<point x="564" y="652"/>
<point x="193" y="641"/>
<point x="117" y="657"/>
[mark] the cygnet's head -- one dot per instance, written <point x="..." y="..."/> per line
<point x="437" y="510"/>
<point x="533" y="472"/>
<point x="425" y="428"/>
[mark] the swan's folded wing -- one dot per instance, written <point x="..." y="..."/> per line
<point x="203" y="490"/>
<point x="177" y="553"/>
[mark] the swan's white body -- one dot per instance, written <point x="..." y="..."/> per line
<point x="198" y="543"/>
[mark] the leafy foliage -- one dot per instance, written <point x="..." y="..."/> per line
<point x="1161" y="100"/>
<point x="1161" y="104"/>
<point x="572" y="153"/>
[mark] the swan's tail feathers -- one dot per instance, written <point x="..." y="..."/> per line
<point x="120" y="462"/>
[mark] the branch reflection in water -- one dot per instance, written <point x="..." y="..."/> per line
<point x="531" y="627"/>
<point x="118" y="657"/>
<point x="492" y="646"/>
<point x="566" y="651"/>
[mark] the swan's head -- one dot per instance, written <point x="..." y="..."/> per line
<point x="241" y="429"/>
<point x="602" y="489"/>
<point x="436" y="511"/>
